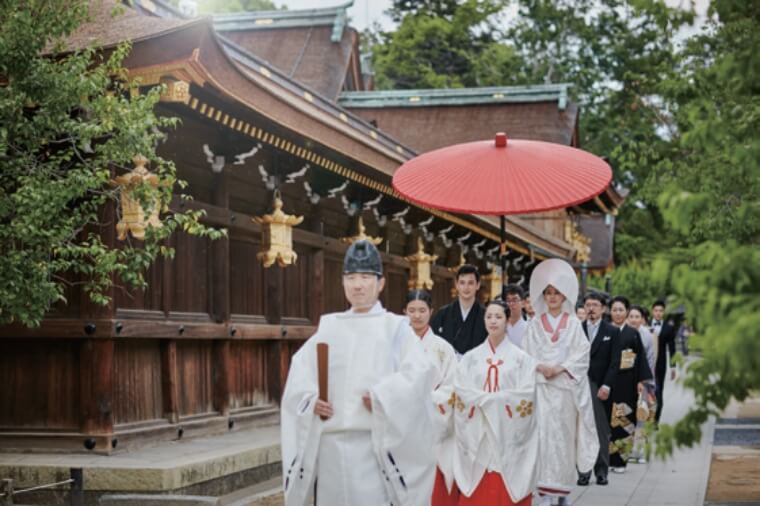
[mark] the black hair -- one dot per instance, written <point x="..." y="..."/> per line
<point x="659" y="302"/>
<point x="422" y="295"/>
<point x="623" y="300"/>
<point x="640" y="309"/>
<point x="501" y="304"/>
<point x="468" y="269"/>
<point x="595" y="296"/>
<point x="514" y="290"/>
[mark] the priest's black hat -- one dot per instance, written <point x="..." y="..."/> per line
<point x="363" y="256"/>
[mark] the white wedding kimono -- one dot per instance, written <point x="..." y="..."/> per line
<point x="357" y="456"/>
<point x="565" y="414"/>
<point x="493" y="405"/>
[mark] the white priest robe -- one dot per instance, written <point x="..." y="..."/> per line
<point x="565" y="414"/>
<point x="444" y="359"/>
<point x="495" y="419"/>
<point x="357" y="457"/>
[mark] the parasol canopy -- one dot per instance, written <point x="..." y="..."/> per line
<point x="502" y="177"/>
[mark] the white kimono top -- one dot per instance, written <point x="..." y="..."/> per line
<point x="375" y="352"/>
<point x="493" y="405"/>
<point x="565" y="414"/>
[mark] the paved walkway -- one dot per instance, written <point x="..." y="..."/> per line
<point x="679" y="481"/>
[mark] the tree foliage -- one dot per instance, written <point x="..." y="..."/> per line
<point x="443" y="45"/>
<point x="68" y="124"/>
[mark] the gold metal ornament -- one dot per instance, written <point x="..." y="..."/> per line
<point x="277" y="235"/>
<point x="133" y="218"/>
<point x="493" y="281"/>
<point x="579" y="242"/>
<point x="362" y="235"/>
<point x="419" y="265"/>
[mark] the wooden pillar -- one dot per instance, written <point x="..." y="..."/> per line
<point x="317" y="288"/>
<point x="170" y="380"/>
<point x="220" y="257"/>
<point x="275" y="384"/>
<point x="96" y="386"/>
<point x="220" y="301"/>
<point x="223" y="371"/>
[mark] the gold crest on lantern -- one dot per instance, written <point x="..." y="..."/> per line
<point x="277" y="236"/>
<point x="419" y="265"/>
<point x="133" y="217"/>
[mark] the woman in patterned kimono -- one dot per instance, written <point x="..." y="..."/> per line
<point x="556" y="340"/>
<point x="634" y="371"/>
<point x="419" y="309"/>
<point x="495" y="422"/>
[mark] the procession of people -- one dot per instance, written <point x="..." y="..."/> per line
<point x="472" y="404"/>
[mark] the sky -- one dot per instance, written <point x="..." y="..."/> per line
<point x="364" y="12"/>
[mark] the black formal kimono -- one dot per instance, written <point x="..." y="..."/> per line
<point x="666" y="348"/>
<point x="634" y="368"/>
<point x="462" y="335"/>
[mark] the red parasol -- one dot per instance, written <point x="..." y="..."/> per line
<point x="502" y="177"/>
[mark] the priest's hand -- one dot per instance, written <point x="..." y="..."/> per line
<point x="367" y="401"/>
<point x="603" y="393"/>
<point x="323" y="409"/>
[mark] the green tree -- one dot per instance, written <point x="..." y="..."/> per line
<point x="68" y="125"/>
<point x="443" y="45"/>
<point x="710" y="197"/>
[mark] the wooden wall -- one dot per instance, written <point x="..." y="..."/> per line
<point x="206" y="347"/>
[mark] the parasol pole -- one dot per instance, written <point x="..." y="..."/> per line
<point x="503" y="255"/>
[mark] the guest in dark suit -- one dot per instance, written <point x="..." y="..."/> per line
<point x="602" y="372"/>
<point x="462" y="323"/>
<point x="664" y="333"/>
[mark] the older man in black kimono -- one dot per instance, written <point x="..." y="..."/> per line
<point x="462" y="322"/>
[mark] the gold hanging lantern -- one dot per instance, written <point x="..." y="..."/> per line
<point x="420" y="273"/>
<point x="493" y="282"/>
<point x="277" y="235"/>
<point x="362" y="235"/>
<point x="132" y="213"/>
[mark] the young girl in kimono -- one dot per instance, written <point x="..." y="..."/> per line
<point x="555" y="339"/>
<point x="495" y="422"/>
<point x="419" y="309"/>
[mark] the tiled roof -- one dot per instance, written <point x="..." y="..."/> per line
<point x="106" y="29"/>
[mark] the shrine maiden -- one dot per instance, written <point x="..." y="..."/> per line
<point x="493" y="404"/>
<point x="565" y="414"/>
<point x="375" y="447"/>
<point x="418" y="309"/>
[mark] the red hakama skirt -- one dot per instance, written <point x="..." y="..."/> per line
<point x="441" y="496"/>
<point x="492" y="492"/>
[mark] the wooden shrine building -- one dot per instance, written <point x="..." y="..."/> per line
<point x="266" y="107"/>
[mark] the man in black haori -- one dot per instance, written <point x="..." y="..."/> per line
<point x="462" y="322"/>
